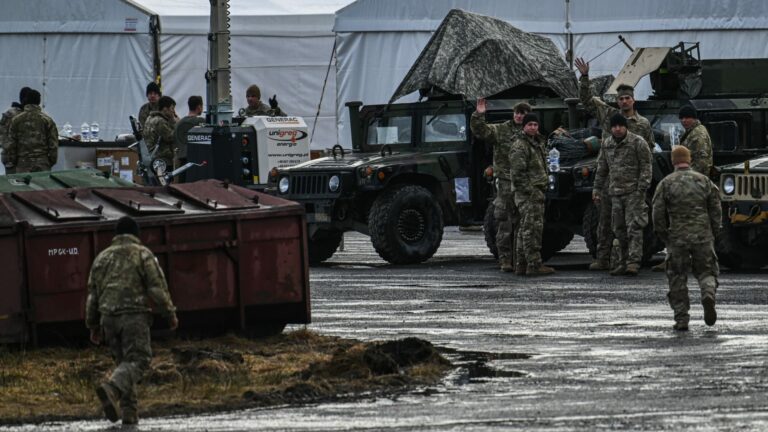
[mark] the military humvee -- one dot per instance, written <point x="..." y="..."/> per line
<point x="744" y="193"/>
<point x="415" y="168"/>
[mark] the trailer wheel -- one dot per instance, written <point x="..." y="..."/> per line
<point x="406" y="225"/>
<point x="489" y="229"/>
<point x="323" y="245"/>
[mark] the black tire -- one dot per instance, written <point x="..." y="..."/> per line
<point x="323" y="245"/>
<point x="589" y="225"/>
<point x="489" y="229"/>
<point x="554" y="239"/>
<point x="406" y="225"/>
<point x="736" y="254"/>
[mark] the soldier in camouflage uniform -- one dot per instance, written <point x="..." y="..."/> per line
<point x="624" y="164"/>
<point x="153" y="97"/>
<point x="258" y="108"/>
<point x="500" y="136"/>
<point x="124" y="279"/>
<point x="159" y="130"/>
<point x="34" y="138"/>
<point x="686" y="215"/>
<point x="696" y="139"/>
<point x="5" y="126"/>
<point x="528" y="174"/>
<point x="636" y="124"/>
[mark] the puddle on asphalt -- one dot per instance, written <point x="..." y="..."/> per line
<point x="472" y="366"/>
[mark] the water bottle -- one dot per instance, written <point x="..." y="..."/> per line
<point x="94" y="131"/>
<point x="66" y="130"/>
<point x="554" y="160"/>
<point x="672" y="135"/>
<point x="85" y="132"/>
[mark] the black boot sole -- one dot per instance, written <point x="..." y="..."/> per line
<point x="710" y="314"/>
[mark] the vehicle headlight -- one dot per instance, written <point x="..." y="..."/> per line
<point x="333" y="183"/>
<point x="551" y="178"/>
<point x="729" y="185"/>
<point x="283" y="185"/>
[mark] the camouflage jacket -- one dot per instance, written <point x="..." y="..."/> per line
<point x="145" y="111"/>
<point x="262" y="110"/>
<point x="697" y="140"/>
<point x="34" y="141"/>
<point x="500" y="136"/>
<point x="528" y="164"/>
<point x="636" y="124"/>
<point x="180" y="133"/>
<point x="159" y="129"/>
<point x="124" y="278"/>
<point x="625" y="165"/>
<point x="5" y="127"/>
<point x="686" y="208"/>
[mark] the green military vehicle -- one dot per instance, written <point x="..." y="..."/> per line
<point x="743" y="241"/>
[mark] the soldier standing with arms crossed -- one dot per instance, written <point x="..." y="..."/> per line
<point x="500" y="136"/>
<point x="636" y="124"/>
<point x="686" y="215"/>
<point x="528" y="173"/>
<point x="34" y="138"/>
<point x="624" y="163"/>
<point x="124" y="278"/>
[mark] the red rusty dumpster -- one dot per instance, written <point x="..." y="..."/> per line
<point x="234" y="258"/>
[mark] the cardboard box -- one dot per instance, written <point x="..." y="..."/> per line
<point x="119" y="161"/>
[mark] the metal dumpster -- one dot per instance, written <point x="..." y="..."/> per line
<point x="234" y="258"/>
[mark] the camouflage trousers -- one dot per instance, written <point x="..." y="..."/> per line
<point x="32" y="165"/>
<point x="702" y="261"/>
<point x="629" y="215"/>
<point x="507" y="218"/>
<point x="530" y="229"/>
<point x="604" y="229"/>
<point x="129" y="341"/>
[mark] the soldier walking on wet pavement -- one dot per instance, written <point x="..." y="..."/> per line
<point x="34" y="138"/>
<point x="636" y="124"/>
<point x="5" y="126"/>
<point x="500" y="137"/>
<point x="528" y="175"/>
<point x="696" y="139"/>
<point x="123" y="280"/>
<point x="687" y="215"/>
<point x="624" y="174"/>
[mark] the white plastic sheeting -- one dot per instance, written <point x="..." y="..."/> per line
<point x="378" y="40"/>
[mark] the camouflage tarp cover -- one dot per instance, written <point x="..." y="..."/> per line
<point x="479" y="56"/>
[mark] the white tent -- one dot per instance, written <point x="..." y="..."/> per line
<point x="378" y="40"/>
<point x="92" y="59"/>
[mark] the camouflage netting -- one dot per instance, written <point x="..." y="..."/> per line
<point x="479" y="56"/>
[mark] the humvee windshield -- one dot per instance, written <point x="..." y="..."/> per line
<point x="444" y="128"/>
<point x="390" y="130"/>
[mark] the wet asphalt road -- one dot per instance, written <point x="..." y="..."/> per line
<point x="574" y="351"/>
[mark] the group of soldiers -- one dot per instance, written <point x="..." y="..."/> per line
<point x="165" y="131"/>
<point x="28" y="136"/>
<point x="686" y="211"/>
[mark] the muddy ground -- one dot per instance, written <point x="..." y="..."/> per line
<point x="219" y="374"/>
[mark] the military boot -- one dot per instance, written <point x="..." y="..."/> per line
<point x="109" y="396"/>
<point x="506" y="265"/>
<point x="130" y="417"/>
<point x="538" y="270"/>
<point x="520" y="269"/>
<point x="710" y="314"/>
<point x="618" y="270"/>
<point x="599" y="265"/>
<point x="680" y="326"/>
<point x="632" y="270"/>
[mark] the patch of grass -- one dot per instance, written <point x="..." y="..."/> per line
<point x="193" y="376"/>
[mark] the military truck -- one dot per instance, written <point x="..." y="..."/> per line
<point x="743" y="240"/>
<point x="414" y="169"/>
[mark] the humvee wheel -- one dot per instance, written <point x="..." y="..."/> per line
<point x="489" y="229"/>
<point x="735" y="254"/>
<point x="554" y="239"/>
<point x="323" y="245"/>
<point x="406" y="225"/>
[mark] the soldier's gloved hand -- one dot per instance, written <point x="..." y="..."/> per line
<point x="273" y="102"/>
